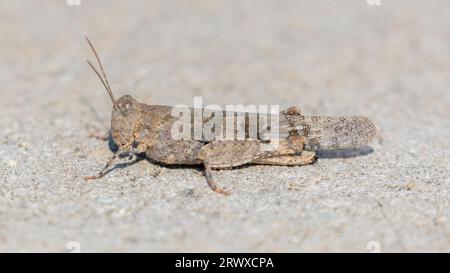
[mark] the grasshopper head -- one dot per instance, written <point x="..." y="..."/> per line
<point x="125" y="117"/>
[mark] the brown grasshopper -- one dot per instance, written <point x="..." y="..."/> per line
<point x="145" y="131"/>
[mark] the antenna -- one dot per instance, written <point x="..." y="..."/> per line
<point x="104" y="80"/>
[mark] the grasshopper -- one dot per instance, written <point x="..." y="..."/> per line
<point x="145" y="131"/>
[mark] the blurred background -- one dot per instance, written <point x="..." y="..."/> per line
<point x="389" y="62"/>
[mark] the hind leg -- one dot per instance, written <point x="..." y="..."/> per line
<point x="305" y="158"/>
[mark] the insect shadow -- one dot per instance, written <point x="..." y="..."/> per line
<point x="347" y="153"/>
<point x="112" y="146"/>
<point x="125" y="164"/>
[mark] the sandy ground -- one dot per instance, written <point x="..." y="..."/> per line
<point x="390" y="63"/>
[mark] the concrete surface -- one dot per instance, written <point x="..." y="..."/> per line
<point x="389" y="62"/>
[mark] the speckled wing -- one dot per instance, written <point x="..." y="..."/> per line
<point x="329" y="133"/>
<point x="320" y="132"/>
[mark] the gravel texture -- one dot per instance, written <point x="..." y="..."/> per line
<point x="390" y="63"/>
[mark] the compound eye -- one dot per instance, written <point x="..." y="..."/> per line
<point x="124" y="108"/>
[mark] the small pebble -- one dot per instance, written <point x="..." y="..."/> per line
<point x="11" y="163"/>
<point x="409" y="186"/>
<point x="23" y="145"/>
